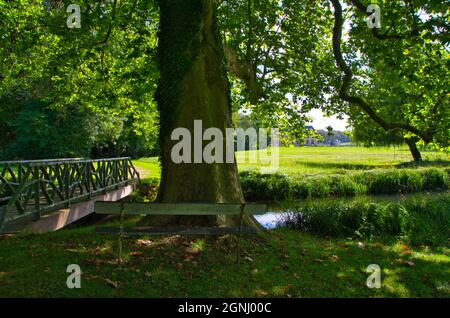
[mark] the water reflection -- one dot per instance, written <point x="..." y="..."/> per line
<point x="272" y="220"/>
<point x="282" y="213"/>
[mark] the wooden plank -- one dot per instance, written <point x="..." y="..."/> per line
<point x="177" y="208"/>
<point x="255" y="208"/>
<point x="160" y="231"/>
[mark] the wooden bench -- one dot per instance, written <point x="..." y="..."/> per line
<point x="179" y="209"/>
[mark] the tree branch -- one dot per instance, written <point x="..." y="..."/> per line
<point x="245" y="71"/>
<point x="385" y="36"/>
<point x="348" y="75"/>
<point x="108" y="33"/>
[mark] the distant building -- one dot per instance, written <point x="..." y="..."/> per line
<point x="335" y="142"/>
<point x="310" y="140"/>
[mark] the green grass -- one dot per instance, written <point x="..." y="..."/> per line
<point x="148" y="167"/>
<point x="420" y="219"/>
<point x="324" y="160"/>
<point x="286" y="264"/>
<point x="277" y="187"/>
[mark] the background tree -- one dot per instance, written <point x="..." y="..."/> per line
<point x="279" y="56"/>
<point x="330" y="131"/>
<point x="102" y="74"/>
<point x="395" y="76"/>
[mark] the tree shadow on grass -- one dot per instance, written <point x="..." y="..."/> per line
<point x="338" y="166"/>
<point x="357" y="166"/>
<point x="337" y="268"/>
<point x="289" y="264"/>
<point x="425" y="163"/>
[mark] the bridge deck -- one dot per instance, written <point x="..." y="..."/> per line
<point x="60" y="218"/>
<point x="33" y="190"/>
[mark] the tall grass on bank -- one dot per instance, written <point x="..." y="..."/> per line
<point x="418" y="220"/>
<point x="277" y="187"/>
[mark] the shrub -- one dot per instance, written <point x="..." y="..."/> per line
<point x="146" y="191"/>
<point x="434" y="178"/>
<point x="270" y="187"/>
<point x="344" y="185"/>
<point x="258" y="187"/>
<point x="419" y="220"/>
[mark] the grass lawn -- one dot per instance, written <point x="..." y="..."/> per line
<point x="148" y="167"/>
<point x="287" y="263"/>
<point x="322" y="160"/>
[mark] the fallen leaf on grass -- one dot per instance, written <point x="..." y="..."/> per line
<point x="5" y="274"/>
<point x="286" y="288"/>
<point x="100" y="250"/>
<point x="260" y="293"/>
<point x="361" y="245"/>
<point x="112" y="283"/>
<point x="144" y="242"/>
<point x="91" y="276"/>
<point x="191" y="250"/>
<point x="405" y="249"/>
<point x="136" y="253"/>
<point x="98" y="262"/>
<point x="169" y="254"/>
<point x="404" y="262"/>
<point x="318" y="260"/>
<point x="334" y="258"/>
<point x="409" y="263"/>
<point x="4" y="237"/>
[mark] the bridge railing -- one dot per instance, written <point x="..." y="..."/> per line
<point x="30" y="189"/>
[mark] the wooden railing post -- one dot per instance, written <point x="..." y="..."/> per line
<point x="125" y="169"/>
<point x="19" y="173"/>
<point x="116" y="173"/>
<point x="37" y="192"/>
<point x="88" y="177"/>
<point x="67" y="183"/>
<point x="3" y="212"/>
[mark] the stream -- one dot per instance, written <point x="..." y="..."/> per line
<point x="278" y="212"/>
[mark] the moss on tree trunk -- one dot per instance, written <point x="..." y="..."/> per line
<point x="193" y="86"/>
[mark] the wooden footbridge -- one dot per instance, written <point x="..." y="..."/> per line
<point x="46" y="195"/>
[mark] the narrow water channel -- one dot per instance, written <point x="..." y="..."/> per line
<point x="279" y="213"/>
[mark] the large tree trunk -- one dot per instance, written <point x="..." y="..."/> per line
<point x="193" y="86"/>
<point x="414" y="150"/>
